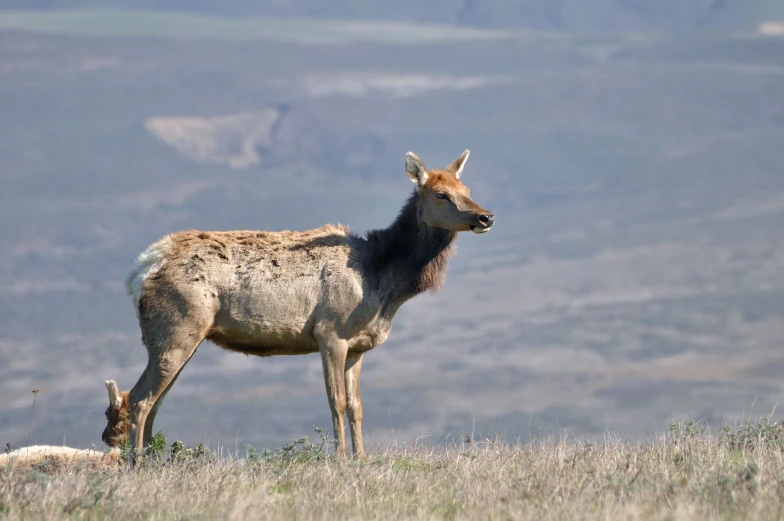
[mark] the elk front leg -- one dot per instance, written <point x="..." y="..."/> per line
<point x="333" y="359"/>
<point x="168" y="354"/>
<point x="354" y="403"/>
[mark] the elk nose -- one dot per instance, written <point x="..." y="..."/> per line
<point x="486" y="219"/>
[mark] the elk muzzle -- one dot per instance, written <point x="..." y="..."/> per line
<point x="484" y="223"/>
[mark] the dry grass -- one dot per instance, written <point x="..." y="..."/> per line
<point x="686" y="474"/>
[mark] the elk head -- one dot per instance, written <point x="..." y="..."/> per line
<point x="117" y="416"/>
<point x="444" y="202"/>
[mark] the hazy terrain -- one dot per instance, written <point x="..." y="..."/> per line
<point x="556" y="15"/>
<point x="634" y="275"/>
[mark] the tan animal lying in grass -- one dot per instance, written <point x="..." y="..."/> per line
<point x="66" y="456"/>
<point x="59" y="456"/>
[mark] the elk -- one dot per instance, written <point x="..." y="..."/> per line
<point x="115" y="434"/>
<point x="324" y="291"/>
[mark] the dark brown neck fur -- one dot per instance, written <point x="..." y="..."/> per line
<point x="116" y="432"/>
<point x="408" y="256"/>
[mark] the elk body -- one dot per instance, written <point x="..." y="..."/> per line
<point x="324" y="291"/>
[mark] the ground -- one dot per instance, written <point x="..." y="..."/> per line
<point x="688" y="473"/>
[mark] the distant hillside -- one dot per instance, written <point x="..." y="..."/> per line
<point x="634" y="277"/>
<point x="560" y="15"/>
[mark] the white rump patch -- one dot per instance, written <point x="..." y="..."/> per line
<point x="148" y="263"/>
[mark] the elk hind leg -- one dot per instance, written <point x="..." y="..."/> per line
<point x="354" y="403"/>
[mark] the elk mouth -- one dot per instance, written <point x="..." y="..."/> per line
<point x="479" y="229"/>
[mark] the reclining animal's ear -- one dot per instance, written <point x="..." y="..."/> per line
<point x="456" y="168"/>
<point x="115" y="399"/>
<point x="415" y="170"/>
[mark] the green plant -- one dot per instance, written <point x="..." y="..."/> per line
<point x="686" y="430"/>
<point x="251" y="454"/>
<point x="176" y="450"/>
<point x="753" y="435"/>
<point x="158" y="446"/>
<point x="301" y="450"/>
<point x="155" y="451"/>
<point x="125" y="450"/>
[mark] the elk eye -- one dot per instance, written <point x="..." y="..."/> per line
<point x="442" y="195"/>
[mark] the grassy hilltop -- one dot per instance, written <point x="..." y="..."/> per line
<point x="688" y="474"/>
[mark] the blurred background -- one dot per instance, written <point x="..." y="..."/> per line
<point x="632" y="151"/>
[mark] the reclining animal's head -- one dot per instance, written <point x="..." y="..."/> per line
<point x="117" y="416"/>
<point x="444" y="202"/>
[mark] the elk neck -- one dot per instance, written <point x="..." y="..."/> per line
<point x="408" y="257"/>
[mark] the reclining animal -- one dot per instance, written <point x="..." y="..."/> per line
<point x="62" y="455"/>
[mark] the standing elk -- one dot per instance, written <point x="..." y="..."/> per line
<point x="291" y="293"/>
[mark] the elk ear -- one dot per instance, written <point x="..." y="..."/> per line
<point x="456" y="168"/>
<point x="415" y="170"/>
<point x="115" y="399"/>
